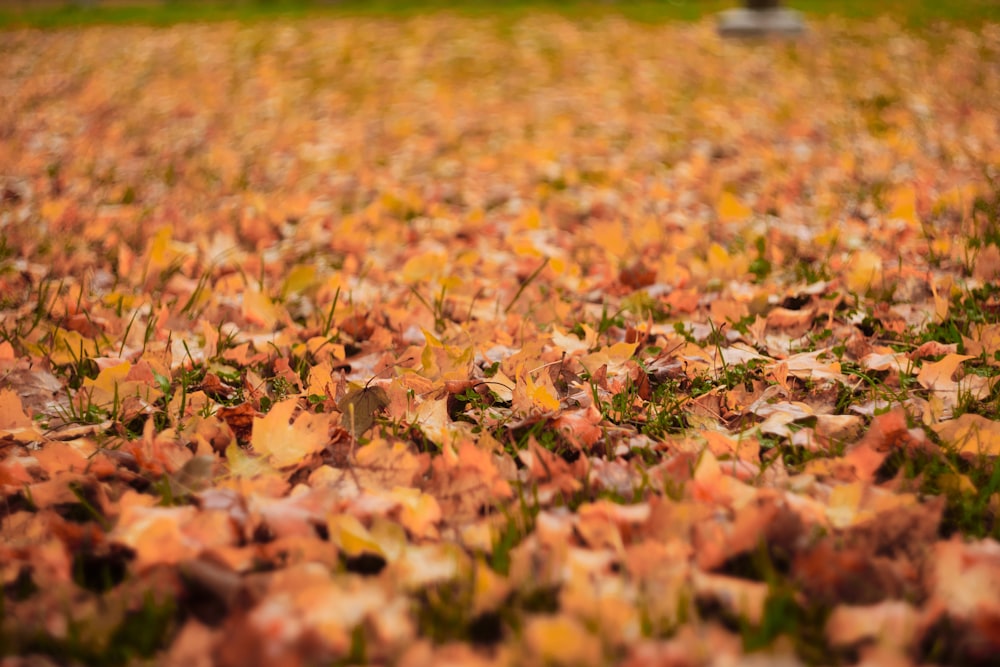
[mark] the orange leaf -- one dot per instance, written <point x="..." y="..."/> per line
<point x="937" y="376"/>
<point x="12" y="414"/>
<point x="284" y="442"/>
<point x="972" y="435"/>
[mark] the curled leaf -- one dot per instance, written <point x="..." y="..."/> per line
<point x="360" y="407"/>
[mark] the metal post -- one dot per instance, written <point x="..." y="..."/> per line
<point x="760" y="18"/>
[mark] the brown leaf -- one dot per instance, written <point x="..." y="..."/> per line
<point x="240" y="419"/>
<point x="360" y="406"/>
<point x="637" y="276"/>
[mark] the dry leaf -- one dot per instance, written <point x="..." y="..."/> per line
<point x="284" y="442"/>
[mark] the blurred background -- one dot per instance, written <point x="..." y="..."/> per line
<point x="914" y="13"/>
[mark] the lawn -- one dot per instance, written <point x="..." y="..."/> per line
<point x="922" y="13"/>
<point x="573" y="337"/>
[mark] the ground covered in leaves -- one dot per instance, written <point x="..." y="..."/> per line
<point x="443" y="341"/>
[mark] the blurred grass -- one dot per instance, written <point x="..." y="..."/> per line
<point x="57" y="13"/>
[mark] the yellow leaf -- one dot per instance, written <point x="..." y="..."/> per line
<point x="259" y="309"/>
<point x="432" y="416"/>
<point x="350" y="536"/>
<point x="718" y="259"/>
<point x="903" y="202"/>
<point x="525" y="247"/>
<point x="530" y="219"/>
<point x="613" y="357"/>
<point x="111" y="387"/>
<point x="298" y="279"/>
<point x="543" y="394"/>
<point x="844" y="505"/>
<point x="320" y="379"/>
<point x="953" y="482"/>
<point x="942" y="304"/>
<point x="864" y="270"/>
<point x="611" y="236"/>
<point x="971" y="435"/>
<point x="285" y="443"/>
<point x="489" y="589"/>
<point x="159" y="254"/>
<point x="532" y="397"/>
<point x="959" y="198"/>
<point x="389" y="536"/>
<point x="53" y="209"/>
<point x="69" y="347"/>
<point x="106" y="387"/>
<point x="729" y="208"/>
<point x="423" y="267"/>
<point x="561" y="640"/>
<point x="243" y="466"/>
<point x="123" y="300"/>
<point x="445" y="362"/>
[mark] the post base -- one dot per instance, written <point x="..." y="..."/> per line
<point x="776" y="21"/>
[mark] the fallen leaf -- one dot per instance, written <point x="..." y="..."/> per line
<point x="360" y="406"/>
<point x="971" y="435"/>
<point x="892" y="622"/>
<point x="285" y="442"/>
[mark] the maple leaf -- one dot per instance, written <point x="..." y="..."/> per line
<point x="169" y="534"/>
<point x="573" y="345"/>
<point x="381" y="464"/>
<point x="614" y="357"/>
<point x="971" y="435"/>
<point x="118" y="382"/>
<point x="467" y="482"/>
<point x="12" y="414"/>
<point x="984" y="341"/>
<point x="442" y="361"/>
<point x="14" y="422"/>
<point x="581" y="427"/>
<point x="554" y="474"/>
<point x="284" y="442"/>
<point x="418" y="512"/>
<point x="530" y="397"/>
<point x="808" y="365"/>
<point x="937" y="377"/>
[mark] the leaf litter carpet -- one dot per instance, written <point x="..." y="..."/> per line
<point x="450" y="341"/>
